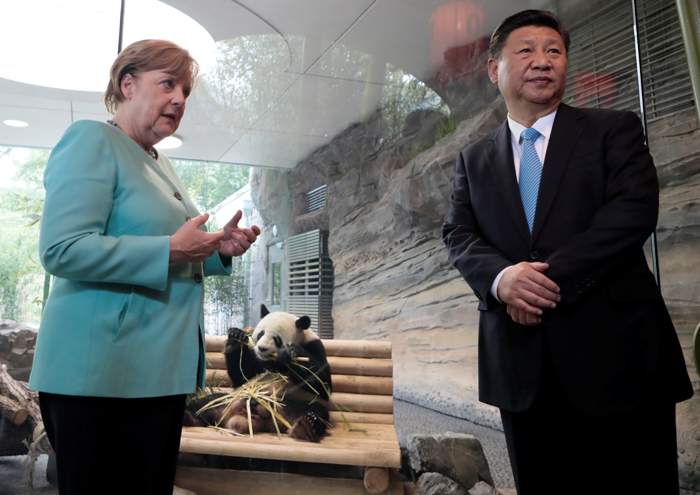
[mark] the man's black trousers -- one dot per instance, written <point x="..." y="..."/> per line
<point x="554" y="448"/>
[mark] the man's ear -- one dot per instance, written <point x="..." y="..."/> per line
<point x="492" y="68"/>
<point x="126" y="85"/>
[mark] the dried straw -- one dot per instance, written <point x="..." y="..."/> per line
<point x="264" y="390"/>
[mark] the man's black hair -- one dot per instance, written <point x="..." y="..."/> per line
<point x="522" y="19"/>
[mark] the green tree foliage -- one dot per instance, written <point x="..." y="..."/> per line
<point x="405" y="94"/>
<point x="21" y="201"/>
<point x="208" y="184"/>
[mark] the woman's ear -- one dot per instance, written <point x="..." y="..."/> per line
<point x="127" y="85"/>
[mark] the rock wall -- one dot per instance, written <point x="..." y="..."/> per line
<point x="675" y="144"/>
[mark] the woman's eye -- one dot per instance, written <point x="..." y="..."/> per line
<point x="168" y="83"/>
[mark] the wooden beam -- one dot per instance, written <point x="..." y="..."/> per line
<point x="205" y="481"/>
<point x="376" y="480"/>
<point x="342" y="454"/>
<point x="334" y="347"/>
<point x="376" y="385"/>
<point x="19" y="392"/>
<point x="362" y="403"/>
<point x="340" y="436"/>
<point x="339" y="365"/>
<point x="339" y="417"/>
<point x="13" y="411"/>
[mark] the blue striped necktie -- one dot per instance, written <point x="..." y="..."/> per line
<point x="530" y="173"/>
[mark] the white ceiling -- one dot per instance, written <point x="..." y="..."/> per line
<point x="315" y="67"/>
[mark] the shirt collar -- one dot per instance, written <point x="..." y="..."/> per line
<point x="543" y="125"/>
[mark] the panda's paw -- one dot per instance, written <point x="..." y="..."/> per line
<point x="191" y="419"/>
<point x="309" y="427"/>
<point x="238" y="335"/>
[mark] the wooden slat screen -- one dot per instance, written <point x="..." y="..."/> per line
<point x="310" y="280"/>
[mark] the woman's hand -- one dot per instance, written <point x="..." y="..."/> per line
<point x="237" y="240"/>
<point x="189" y="244"/>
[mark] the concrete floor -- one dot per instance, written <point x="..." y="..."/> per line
<point x="13" y="477"/>
<point x="409" y="419"/>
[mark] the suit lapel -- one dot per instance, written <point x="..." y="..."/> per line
<point x="565" y="134"/>
<point x="504" y="169"/>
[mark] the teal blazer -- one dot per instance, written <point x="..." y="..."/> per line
<point x="119" y="321"/>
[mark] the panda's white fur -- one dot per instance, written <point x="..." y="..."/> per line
<point x="280" y="331"/>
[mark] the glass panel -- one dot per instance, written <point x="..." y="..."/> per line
<point x="374" y="100"/>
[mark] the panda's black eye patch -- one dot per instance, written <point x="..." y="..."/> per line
<point x="262" y="332"/>
<point x="278" y="341"/>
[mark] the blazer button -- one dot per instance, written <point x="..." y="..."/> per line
<point x="197" y="278"/>
<point x="178" y="196"/>
<point x="535" y="256"/>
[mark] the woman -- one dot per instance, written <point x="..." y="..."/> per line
<point x="121" y="342"/>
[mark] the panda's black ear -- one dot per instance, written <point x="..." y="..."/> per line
<point x="303" y="323"/>
<point x="264" y="311"/>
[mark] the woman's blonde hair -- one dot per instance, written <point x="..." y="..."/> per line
<point x="144" y="56"/>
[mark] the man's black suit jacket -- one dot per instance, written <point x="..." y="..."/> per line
<point x="611" y="340"/>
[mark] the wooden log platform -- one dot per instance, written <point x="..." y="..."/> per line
<point x="362" y="434"/>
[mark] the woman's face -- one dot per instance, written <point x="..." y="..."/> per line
<point x="154" y="104"/>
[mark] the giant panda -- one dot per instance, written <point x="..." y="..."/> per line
<point x="277" y="341"/>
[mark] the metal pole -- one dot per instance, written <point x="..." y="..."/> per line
<point x="121" y="27"/>
<point x="643" y="114"/>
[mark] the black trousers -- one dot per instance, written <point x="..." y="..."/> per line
<point x="112" y="445"/>
<point x="554" y="448"/>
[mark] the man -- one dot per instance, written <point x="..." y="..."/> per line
<point x="546" y="224"/>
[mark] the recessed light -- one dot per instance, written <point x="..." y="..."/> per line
<point x="169" y="143"/>
<point x="15" y="123"/>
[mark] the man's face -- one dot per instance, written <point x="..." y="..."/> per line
<point x="531" y="70"/>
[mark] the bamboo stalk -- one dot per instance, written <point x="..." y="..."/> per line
<point x="377" y="385"/>
<point x="362" y="403"/>
<point x="339" y="417"/>
<point x="334" y="347"/>
<point x="351" y="402"/>
<point x="358" y="435"/>
<point x="376" y="480"/>
<point x="207" y="481"/>
<point x="358" y="348"/>
<point x="357" y="456"/>
<point x="339" y="366"/>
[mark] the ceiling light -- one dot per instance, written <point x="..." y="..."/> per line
<point x="67" y="61"/>
<point x="15" y="123"/>
<point x="169" y="143"/>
